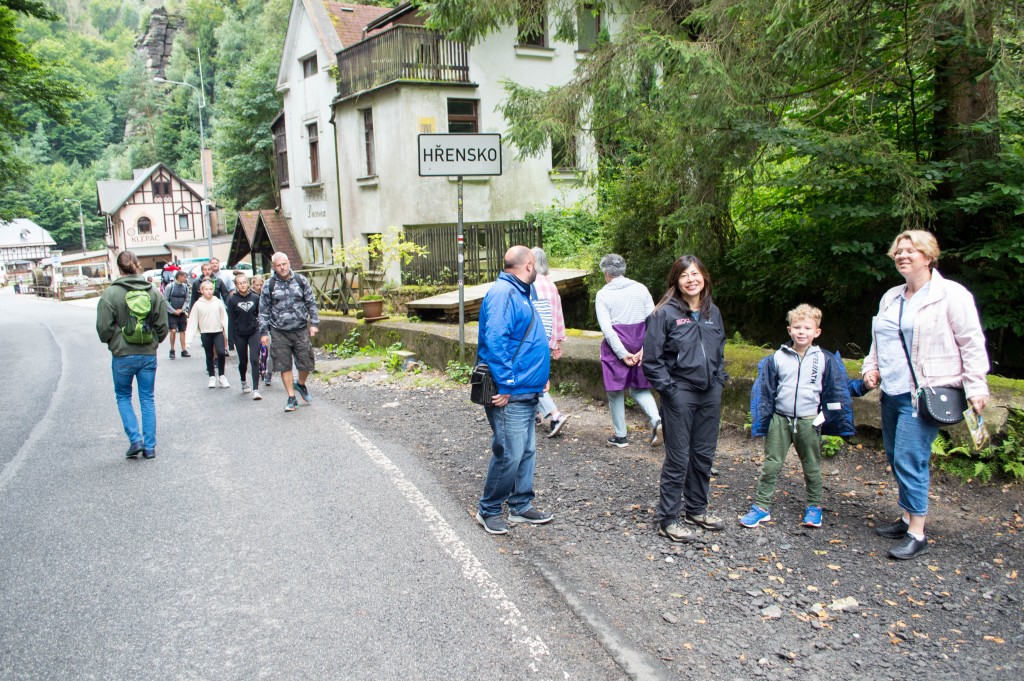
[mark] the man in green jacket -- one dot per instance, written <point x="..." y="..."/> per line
<point x="133" y="338"/>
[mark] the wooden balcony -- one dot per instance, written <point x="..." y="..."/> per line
<point x="401" y="53"/>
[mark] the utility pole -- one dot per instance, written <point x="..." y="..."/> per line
<point x="81" y="221"/>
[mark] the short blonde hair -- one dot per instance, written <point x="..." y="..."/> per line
<point x="804" y="311"/>
<point x="206" y="282"/>
<point x="242" y="275"/>
<point x="923" y="241"/>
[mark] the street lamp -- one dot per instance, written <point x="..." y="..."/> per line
<point x="202" y="148"/>
<point x="81" y="221"/>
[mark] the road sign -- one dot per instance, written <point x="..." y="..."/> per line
<point x="55" y="259"/>
<point x="459" y="154"/>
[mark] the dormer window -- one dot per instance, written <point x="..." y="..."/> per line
<point x="309" y="66"/>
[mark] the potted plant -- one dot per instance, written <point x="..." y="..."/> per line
<point x="373" y="306"/>
<point x="385" y="252"/>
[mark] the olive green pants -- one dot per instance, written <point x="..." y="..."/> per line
<point x="776" y="445"/>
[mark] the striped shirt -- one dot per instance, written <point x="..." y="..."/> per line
<point x="548" y="304"/>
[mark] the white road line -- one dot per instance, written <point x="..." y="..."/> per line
<point x="11" y="468"/>
<point x="472" y="570"/>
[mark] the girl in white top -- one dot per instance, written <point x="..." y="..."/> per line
<point x="209" y="318"/>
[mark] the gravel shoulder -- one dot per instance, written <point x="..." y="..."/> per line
<point x="777" y="602"/>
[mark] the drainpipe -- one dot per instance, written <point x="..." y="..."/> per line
<point x="337" y="176"/>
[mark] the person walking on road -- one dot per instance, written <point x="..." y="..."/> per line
<point x="131" y="318"/>
<point x="266" y="366"/>
<point x="209" y="318"/>
<point x="512" y="343"/>
<point x="548" y="303"/>
<point x="288" y="320"/>
<point x="177" y="295"/>
<point x="244" y="330"/>
<point x="684" y="358"/>
<point x="207" y="275"/>
<point x="622" y="306"/>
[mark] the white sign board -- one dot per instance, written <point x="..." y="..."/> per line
<point x="55" y="259"/>
<point x="459" y="154"/>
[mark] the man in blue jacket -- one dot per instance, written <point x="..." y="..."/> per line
<point x="512" y="343"/>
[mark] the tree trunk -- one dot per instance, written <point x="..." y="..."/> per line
<point x="965" y="94"/>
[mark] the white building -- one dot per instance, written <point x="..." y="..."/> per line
<point x="396" y="81"/>
<point x="304" y="138"/>
<point x="23" y="245"/>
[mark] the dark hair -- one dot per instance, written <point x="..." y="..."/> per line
<point x="673" y="292"/>
<point x="128" y="263"/>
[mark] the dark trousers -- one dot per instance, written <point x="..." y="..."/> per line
<point x="211" y="342"/>
<point x="690" y="419"/>
<point x="248" y="354"/>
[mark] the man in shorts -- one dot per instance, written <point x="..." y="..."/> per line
<point x="177" y="295"/>
<point x="289" y="318"/>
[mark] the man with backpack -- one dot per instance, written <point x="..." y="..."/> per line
<point x="131" y="318"/>
<point x="288" y="319"/>
<point x="177" y="295"/>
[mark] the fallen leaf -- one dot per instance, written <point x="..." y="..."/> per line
<point x="811" y="587"/>
<point x="677" y="595"/>
<point x="820" y="552"/>
<point x="835" y="567"/>
<point x="933" y="568"/>
<point x="892" y="603"/>
<point x="995" y="639"/>
<point x="688" y="646"/>
<point x="1012" y="575"/>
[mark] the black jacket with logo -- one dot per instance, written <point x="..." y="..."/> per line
<point x="243" y="314"/>
<point x="680" y="351"/>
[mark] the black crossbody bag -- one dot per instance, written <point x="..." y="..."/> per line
<point x="481" y="384"/>
<point x="942" y="406"/>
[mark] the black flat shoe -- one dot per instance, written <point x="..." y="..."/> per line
<point x="148" y="454"/>
<point x="134" y="450"/>
<point x="909" y="548"/>
<point x="894" y="531"/>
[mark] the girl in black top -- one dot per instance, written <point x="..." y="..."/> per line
<point x="684" y="358"/>
<point x="244" y="329"/>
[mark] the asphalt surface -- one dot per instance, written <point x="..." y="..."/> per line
<point x="258" y="544"/>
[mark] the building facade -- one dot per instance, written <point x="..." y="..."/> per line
<point x="150" y="211"/>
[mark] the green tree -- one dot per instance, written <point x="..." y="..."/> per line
<point x="24" y="79"/>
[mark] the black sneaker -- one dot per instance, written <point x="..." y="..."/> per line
<point x="494" y="524"/>
<point x="909" y="548"/>
<point x="895" y="530"/>
<point x="654" y="433"/>
<point x="556" y="425"/>
<point x="532" y="516"/>
<point x="134" y="449"/>
<point x="292" y="404"/>
<point x="184" y="353"/>
<point x="148" y="454"/>
<point x="618" y="442"/>
<point x="172" y="354"/>
<point x="303" y="393"/>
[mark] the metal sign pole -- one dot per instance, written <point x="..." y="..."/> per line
<point x="462" y="298"/>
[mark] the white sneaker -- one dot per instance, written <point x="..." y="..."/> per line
<point x="224" y="381"/>
<point x="245" y="387"/>
<point x="256" y="395"/>
<point x="213" y="382"/>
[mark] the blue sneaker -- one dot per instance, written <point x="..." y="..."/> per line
<point x="755" y="516"/>
<point x="812" y="516"/>
<point x="303" y="393"/>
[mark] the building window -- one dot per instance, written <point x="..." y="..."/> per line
<point x="314" y="152"/>
<point x="563" y="153"/>
<point x="373" y="259"/>
<point x="161" y="189"/>
<point x="462" y="115"/>
<point x="371" y="165"/>
<point x="183" y="223"/>
<point x="309" y="66"/>
<point x="588" y="27"/>
<point x="281" y="151"/>
<point x="532" y="27"/>
<point x="145" y="226"/>
<point x="319" y="251"/>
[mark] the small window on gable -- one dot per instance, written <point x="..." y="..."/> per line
<point x="161" y="189"/>
<point x="462" y="115"/>
<point x="145" y="226"/>
<point x="309" y="66"/>
<point x="532" y="25"/>
<point x="183" y="223"/>
<point x="588" y="27"/>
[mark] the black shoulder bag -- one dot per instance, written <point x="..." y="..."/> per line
<point x="481" y="384"/>
<point x="942" y="406"/>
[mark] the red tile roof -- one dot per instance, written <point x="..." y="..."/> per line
<point x="350" y="24"/>
<point x="281" y="236"/>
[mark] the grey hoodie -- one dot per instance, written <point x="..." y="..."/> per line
<point x="800" y="381"/>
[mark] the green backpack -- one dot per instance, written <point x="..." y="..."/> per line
<point x="138" y="329"/>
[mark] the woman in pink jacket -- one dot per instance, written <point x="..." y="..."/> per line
<point x="935" y="323"/>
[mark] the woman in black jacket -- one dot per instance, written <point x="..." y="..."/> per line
<point x="684" y="359"/>
<point x="244" y="330"/>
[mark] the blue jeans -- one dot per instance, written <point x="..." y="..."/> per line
<point x="546" y="406"/>
<point x="908" y="446"/>
<point x="514" y="447"/>
<point x="141" y="368"/>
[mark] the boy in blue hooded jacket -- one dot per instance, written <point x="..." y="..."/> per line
<point x="801" y="392"/>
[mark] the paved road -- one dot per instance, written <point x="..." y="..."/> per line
<point x="258" y="544"/>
